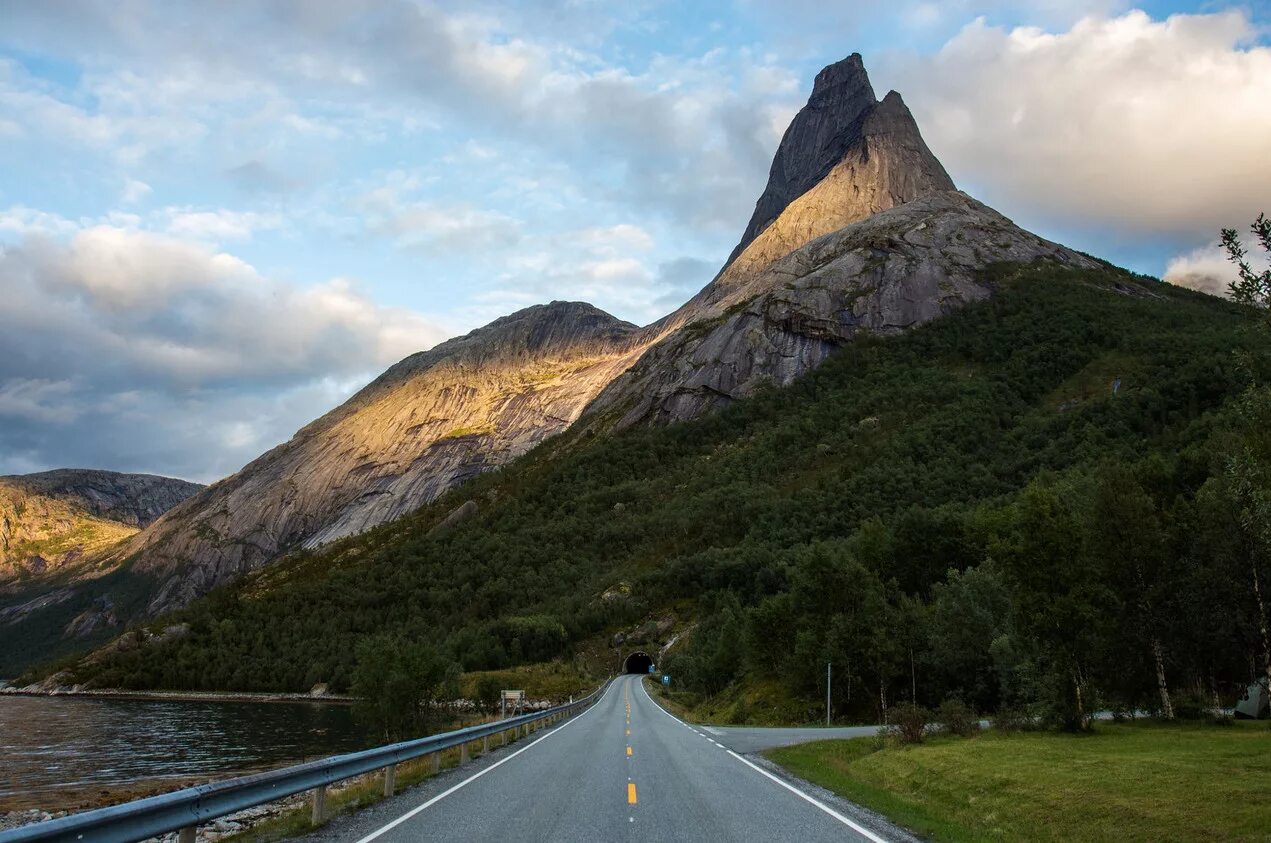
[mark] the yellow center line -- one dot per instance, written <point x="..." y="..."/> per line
<point x="631" y="794"/>
<point x="628" y="733"/>
<point x="628" y="750"/>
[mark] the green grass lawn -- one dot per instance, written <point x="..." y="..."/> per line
<point x="1141" y="781"/>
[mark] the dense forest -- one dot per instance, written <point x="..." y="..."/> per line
<point x="1047" y="500"/>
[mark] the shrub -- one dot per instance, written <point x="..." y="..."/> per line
<point x="1190" y="705"/>
<point x="1008" y="720"/>
<point x="909" y="722"/>
<point x="956" y="717"/>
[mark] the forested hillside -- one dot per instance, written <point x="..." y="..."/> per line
<point x="1029" y="500"/>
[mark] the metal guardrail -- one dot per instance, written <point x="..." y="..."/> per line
<point x="185" y="810"/>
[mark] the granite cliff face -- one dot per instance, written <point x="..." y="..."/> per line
<point x="884" y="274"/>
<point x="859" y="229"/>
<point x="56" y="518"/>
<point x="844" y="157"/>
<point x="428" y="423"/>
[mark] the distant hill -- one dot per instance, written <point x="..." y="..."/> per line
<point x="58" y="527"/>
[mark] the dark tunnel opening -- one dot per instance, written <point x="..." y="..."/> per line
<point x="637" y="662"/>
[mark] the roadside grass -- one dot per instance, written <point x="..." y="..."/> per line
<point x="553" y="680"/>
<point x="761" y="702"/>
<point x="1133" y="781"/>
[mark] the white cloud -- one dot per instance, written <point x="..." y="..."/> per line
<point x="689" y="137"/>
<point x="134" y="191"/>
<point x="436" y="227"/>
<point x="37" y="400"/>
<point x="145" y="344"/>
<point x="1207" y="269"/>
<point x="612" y="267"/>
<point x="218" y="226"/>
<point x="1142" y="125"/>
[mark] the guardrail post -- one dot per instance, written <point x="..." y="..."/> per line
<point x="390" y="779"/>
<point x="463" y="753"/>
<point x="186" y="835"/>
<point x="485" y="744"/>
<point x="436" y="762"/>
<point x="319" y="804"/>
<point x="503" y="738"/>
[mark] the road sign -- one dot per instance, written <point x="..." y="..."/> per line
<point x="511" y="701"/>
<point x="666" y="679"/>
<point x="650" y="667"/>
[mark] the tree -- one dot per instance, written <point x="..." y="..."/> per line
<point x="400" y="686"/>
<point x="969" y="611"/>
<point x="1247" y="470"/>
<point x="1250" y="485"/>
<point x="1127" y="538"/>
<point x="1061" y="598"/>
<point x="1252" y="288"/>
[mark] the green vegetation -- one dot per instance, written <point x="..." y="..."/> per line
<point x="401" y="686"/>
<point x="1140" y="781"/>
<point x="971" y="510"/>
<point x="24" y="642"/>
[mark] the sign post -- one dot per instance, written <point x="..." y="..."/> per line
<point x="513" y="699"/>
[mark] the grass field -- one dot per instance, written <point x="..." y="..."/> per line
<point x="1139" y="781"/>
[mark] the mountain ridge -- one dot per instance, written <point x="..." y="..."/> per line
<point x="858" y="230"/>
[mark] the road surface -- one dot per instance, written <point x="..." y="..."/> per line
<point x="745" y="739"/>
<point x="623" y="770"/>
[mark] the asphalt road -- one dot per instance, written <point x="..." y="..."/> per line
<point x="623" y="770"/>
<point x="745" y="739"/>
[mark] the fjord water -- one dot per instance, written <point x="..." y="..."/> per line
<point x="65" y="752"/>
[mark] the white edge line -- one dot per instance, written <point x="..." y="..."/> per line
<point x="859" y="829"/>
<point x="440" y="796"/>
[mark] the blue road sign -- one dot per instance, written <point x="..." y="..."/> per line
<point x="650" y="668"/>
<point x="666" y="679"/>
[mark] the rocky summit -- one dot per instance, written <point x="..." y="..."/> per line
<point x="859" y="229"/>
<point x="430" y="422"/>
<point x="56" y="522"/>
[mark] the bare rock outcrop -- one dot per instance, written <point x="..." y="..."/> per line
<point x="844" y="157"/>
<point x="885" y="274"/>
<point x="54" y="519"/>
<point x="133" y="499"/>
<point x="430" y="422"/>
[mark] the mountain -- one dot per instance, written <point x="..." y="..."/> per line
<point x="844" y="157"/>
<point x="55" y="518"/>
<point x="800" y="525"/>
<point x="430" y="422"/>
<point x="57" y="531"/>
<point x="471" y="404"/>
<point x="882" y="275"/>
<point x="859" y="231"/>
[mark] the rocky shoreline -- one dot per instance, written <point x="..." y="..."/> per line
<point x="210" y="832"/>
<point x="319" y="696"/>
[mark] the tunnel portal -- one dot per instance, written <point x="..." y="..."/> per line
<point x="637" y="662"/>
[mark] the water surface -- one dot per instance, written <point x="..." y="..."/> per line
<point x="64" y="752"/>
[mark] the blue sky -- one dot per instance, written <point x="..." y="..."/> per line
<point x="217" y="220"/>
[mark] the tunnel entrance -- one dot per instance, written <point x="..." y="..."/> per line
<point x="637" y="662"/>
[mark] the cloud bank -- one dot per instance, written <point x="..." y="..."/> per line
<point x="171" y="353"/>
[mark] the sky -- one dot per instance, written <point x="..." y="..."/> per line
<point x="219" y="220"/>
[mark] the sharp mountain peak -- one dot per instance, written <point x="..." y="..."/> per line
<point x="843" y="123"/>
<point x="859" y="229"/>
